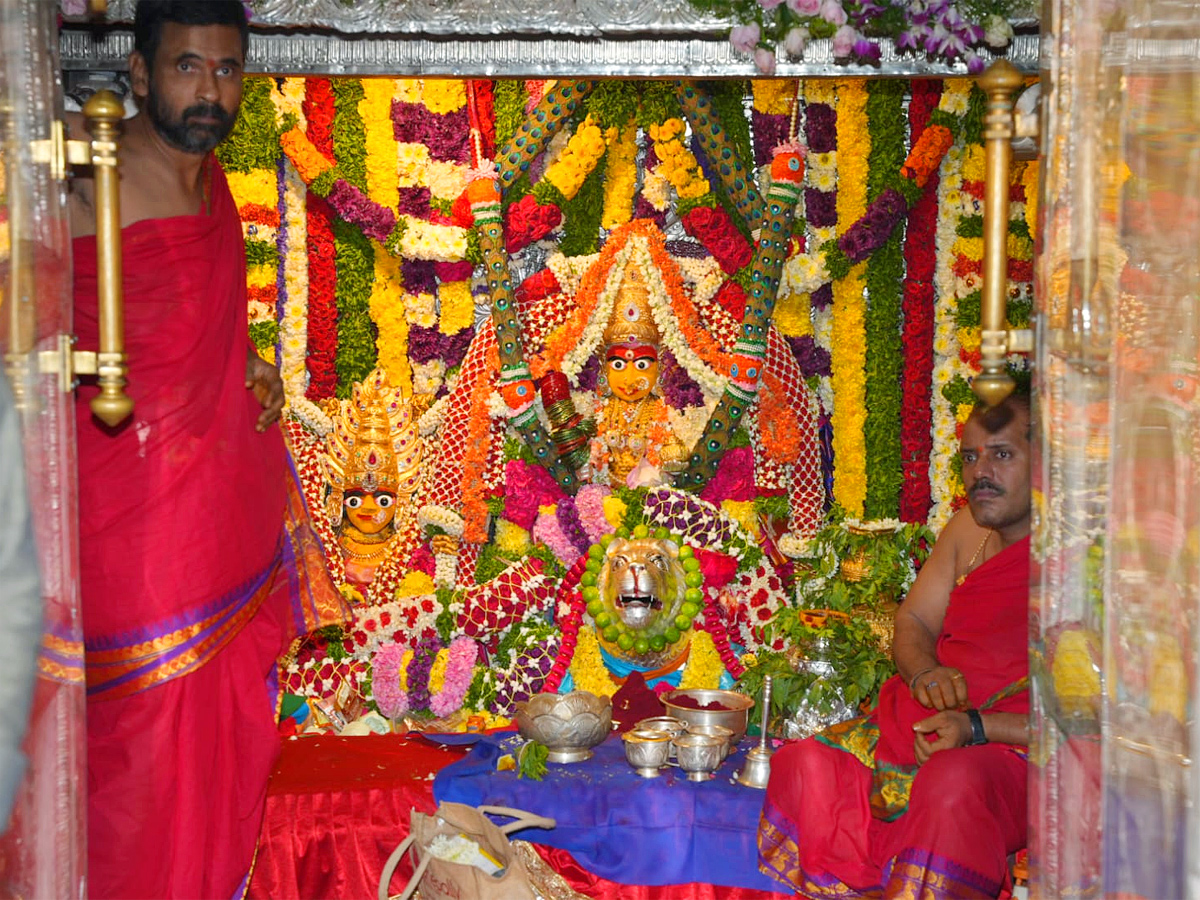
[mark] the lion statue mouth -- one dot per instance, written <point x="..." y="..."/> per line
<point x="644" y="600"/>
<point x="641" y="582"/>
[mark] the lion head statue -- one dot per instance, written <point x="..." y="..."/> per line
<point x="641" y="585"/>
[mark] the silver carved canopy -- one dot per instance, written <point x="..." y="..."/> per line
<point x="502" y="39"/>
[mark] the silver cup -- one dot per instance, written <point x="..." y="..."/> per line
<point x="700" y="754"/>
<point x="646" y="751"/>
<point x="725" y="734"/>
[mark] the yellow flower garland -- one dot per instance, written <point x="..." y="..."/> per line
<point x="587" y="666"/>
<point x="443" y="95"/>
<point x="388" y="313"/>
<point x="437" y="673"/>
<point x="620" y="176"/>
<point x="577" y="161"/>
<point x="676" y="162"/>
<point x="1029" y="180"/>
<point x="773" y="96"/>
<point x="383" y="181"/>
<point x="849" y="325"/>
<point x="257" y="187"/>
<point x="704" y="666"/>
<point x="511" y="539"/>
<point x="793" y="315"/>
<point x="457" y="306"/>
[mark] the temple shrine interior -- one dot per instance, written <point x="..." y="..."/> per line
<point x="632" y="359"/>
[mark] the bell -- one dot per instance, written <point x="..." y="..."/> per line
<point x="756" y="770"/>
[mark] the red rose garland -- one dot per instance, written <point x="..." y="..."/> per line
<point x="568" y="592"/>
<point x="713" y="228"/>
<point x="916" y="412"/>
<point x="720" y="635"/>
<point x="322" y="272"/>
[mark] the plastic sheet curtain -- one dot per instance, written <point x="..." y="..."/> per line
<point x="43" y="853"/>
<point x="1117" y="499"/>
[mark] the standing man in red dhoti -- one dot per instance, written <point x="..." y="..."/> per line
<point x="925" y="797"/>
<point x="194" y="542"/>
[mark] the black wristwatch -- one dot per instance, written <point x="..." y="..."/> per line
<point x="978" y="736"/>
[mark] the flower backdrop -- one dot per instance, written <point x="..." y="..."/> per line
<point x="373" y="243"/>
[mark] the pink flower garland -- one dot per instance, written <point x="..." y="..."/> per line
<point x="391" y="700"/>
<point x="460" y="668"/>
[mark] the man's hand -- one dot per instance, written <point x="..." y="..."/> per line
<point x="263" y="378"/>
<point x="947" y="729"/>
<point x="941" y="688"/>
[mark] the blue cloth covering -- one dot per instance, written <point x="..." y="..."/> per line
<point x="620" y="826"/>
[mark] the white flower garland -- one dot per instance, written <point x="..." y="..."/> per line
<point x="440" y="517"/>
<point x="635" y="252"/>
<point x="946" y="362"/>
<point x="431" y="421"/>
<point x="568" y="270"/>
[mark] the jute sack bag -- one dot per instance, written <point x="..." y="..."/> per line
<point x="443" y="879"/>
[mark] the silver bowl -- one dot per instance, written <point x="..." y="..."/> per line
<point x="725" y="734"/>
<point x="734" y="715"/>
<point x="569" y="725"/>
<point x="699" y="754"/>
<point x="646" y="751"/>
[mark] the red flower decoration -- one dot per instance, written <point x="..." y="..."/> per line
<point x="732" y="298"/>
<point x="713" y="228"/>
<point x="718" y="568"/>
<point x="529" y="221"/>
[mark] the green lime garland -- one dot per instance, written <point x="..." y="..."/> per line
<point x="508" y="106"/>
<point x="582" y="215"/>
<point x="349" y="132"/>
<point x="616" y="633"/>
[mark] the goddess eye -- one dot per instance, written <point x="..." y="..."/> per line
<point x="354" y="501"/>
<point x="616" y="365"/>
<point x="384" y="500"/>
<point x="642" y="365"/>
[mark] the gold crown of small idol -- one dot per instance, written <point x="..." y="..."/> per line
<point x="632" y="318"/>
<point x="374" y="444"/>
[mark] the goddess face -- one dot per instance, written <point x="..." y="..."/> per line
<point x="369" y="512"/>
<point x="631" y="370"/>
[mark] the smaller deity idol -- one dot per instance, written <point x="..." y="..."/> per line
<point x="632" y="430"/>
<point x="373" y="462"/>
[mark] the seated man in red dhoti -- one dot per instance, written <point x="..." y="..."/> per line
<point x="925" y="797"/>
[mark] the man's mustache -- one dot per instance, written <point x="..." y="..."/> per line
<point x="983" y="484"/>
<point x="206" y="111"/>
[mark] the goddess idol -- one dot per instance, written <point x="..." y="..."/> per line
<point x="658" y="329"/>
<point x="633" y="433"/>
<point x="361" y="464"/>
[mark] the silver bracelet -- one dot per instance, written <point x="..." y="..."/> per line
<point x="913" y="681"/>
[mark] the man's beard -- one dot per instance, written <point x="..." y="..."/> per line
<point x="190" y="137"/>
